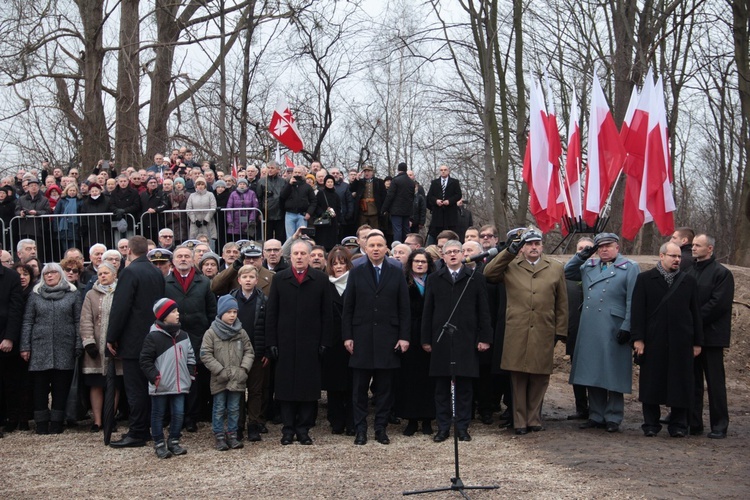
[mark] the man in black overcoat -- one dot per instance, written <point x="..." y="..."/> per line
<point x="667" y="334"/>
<point x="715" y="296"/>
<point x="139" y="286"/>
<point x="442" y="200"/>
<point x="12" y="367"/>
<point x="375" y="328"/>
<point x="399" y="203"/>
<point x="298" y="324"/>
<point x="473" y="334"/>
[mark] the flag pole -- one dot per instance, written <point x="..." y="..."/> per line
<point x="265" y="226"/>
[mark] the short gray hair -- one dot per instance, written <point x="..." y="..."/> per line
<point x="23" y="243"/>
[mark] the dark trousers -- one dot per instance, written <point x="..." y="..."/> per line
<point x="400" y="225"/>
<point x="255" y="393"/>
<point x="382" y="392"/>
<point x="652" y="413"/>
<point x="275" y="230"/>
<point x="136" y="388"/>
<point x="15" y="389"/>
<point x="199" y="400"/>
<point x="582" y="401"/>
<point x="56" y="382"/>
<point x="340" y="414"/>
<point x="487" y="391"/>
<point x="297" y="417"/>
<point x="710" y="363"/>
<point x="464" y="396"/>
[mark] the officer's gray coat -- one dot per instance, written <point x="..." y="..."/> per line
<point x="598" y="360"/>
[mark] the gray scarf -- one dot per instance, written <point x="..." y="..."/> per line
<point x="669" y="277"/>
<point x="224" y="330"/>
<point x="56" y="292"/>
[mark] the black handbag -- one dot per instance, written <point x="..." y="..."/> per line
<point x="325" y="218"/>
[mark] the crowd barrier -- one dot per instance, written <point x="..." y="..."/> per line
<point x="55" y="233"/>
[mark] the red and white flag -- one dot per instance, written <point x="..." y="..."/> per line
<point x="633" y="133"/>
<point x="573" y="162"/>
<point x="556" y="200"/>
<point x="289" y="162"/>
<point x="284" y="128"/>
<point x="537" y="169"/>
<point x="234" y="167"/>
<point x="605" y="154"/>
<point x="656" y="198"/>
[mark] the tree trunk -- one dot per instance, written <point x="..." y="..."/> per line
<point x="523" y="196"/>
<point x="128" y="132"/>
<point x="95" y="139"/>
<point x="741" y="31"/>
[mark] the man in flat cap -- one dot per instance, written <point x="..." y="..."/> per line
<point x="536" y="314"/>
<point x="602" y="357"/>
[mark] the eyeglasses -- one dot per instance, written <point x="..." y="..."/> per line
<point x="452" y="252"/>
<point x="49" y="273"/>
<point x="487" y="236"/>
<point x="419" y="261"/>
<point x="164" y="236"/>
<point x="72" y="270"/>
<point x="6" y="262"/>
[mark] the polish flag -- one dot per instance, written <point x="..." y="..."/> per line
<point x="656" y="198"/>
<point x="555" y="199"/>
<point x="573" y="162"/>
<point x="537" y="169"/>
<point x="284" y="128"/>
<point x="289" y="162"/>
<point x="605" y="154"/>
<point x="633" y="133"/>
<point x="234" y="167"/>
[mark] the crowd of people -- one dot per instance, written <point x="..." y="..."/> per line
<point x="363" y="305"/>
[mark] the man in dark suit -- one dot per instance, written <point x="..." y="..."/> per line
<point x="139" y="286"/>
<point x="369" y="194"/>
<point x="399" y="203"/>
<point x="473" y="335"/>
<point x="12" y="367"/>
<point x="299" y="318"/>
<point x="442" y="200"/>
<point x="375" y="328"/>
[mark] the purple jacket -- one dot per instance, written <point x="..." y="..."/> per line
<point x="237" y="220"/>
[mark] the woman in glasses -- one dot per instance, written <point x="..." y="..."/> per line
<point x="415" y="390"/>
<point x="49" y="343"/>
<point x="72" y="269"/>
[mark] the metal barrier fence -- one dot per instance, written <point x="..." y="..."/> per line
<point x="55" y="233"/>
<point x="225" y="225"/>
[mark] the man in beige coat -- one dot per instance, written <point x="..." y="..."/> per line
<point x="536" y="314"/>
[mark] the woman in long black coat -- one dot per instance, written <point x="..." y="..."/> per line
<point x="415" y="399"/>
<point x="328" y="202"/>
<point x="337" y="376"/>
<point x="96" y="229"/>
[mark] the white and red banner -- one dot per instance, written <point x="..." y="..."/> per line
<point x="284" y="128"/>
<point x="573" y="163"/>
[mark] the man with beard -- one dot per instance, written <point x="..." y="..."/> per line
<point x="667" y="335"/>
<point x="298" y="325"/>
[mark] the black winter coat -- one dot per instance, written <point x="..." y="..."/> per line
<point x="298" y="322"/>
<point x="8" y="210"/>
<point x="299" y="198"/>
<point x="197" y="306"/>
<point x="419" y="212"/>
<point x="139" y="286"/>
<point x="327" y="235"/>
<point x="444" y="216"/>
<point x="337" y="375"/>
<point x="376" y="317"/>
<point x="11" y="309"/>
<point x="400" y="198"/>
<point x="715" y="296"/>
<point x="253" y="319"/>
<point x="669" y="331"/>
<point x="472" y="321"/>
<point x="126" y="200"/>
<point x="32" y="225"/>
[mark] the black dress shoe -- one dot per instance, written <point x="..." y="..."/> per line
<point x="361" y="438"/>
<point x="128" y="442"/>
<point x="411" y="428"/>
<point x="591" y="424"/>
<point x="579" y="415"/>
<point x="381" y="437"/>
<point x="677" y="434"/>
<point x="464" y="436"/>
<point x="393" y="419"/>
<point x="521" y="431"/>
<point x="507" y="424"/>
<point x="350" y="432"/>
<point x="427" y="428"/>
<point x="191" y="426"/>
<point x="441" y="436"/>
<point x="486" y="418"/>
<point x="649" y="434"/>
<point x="666" y="419"/>
<point x="304" y="439"/>
<point x="287" y="439"/>
<point x="535" y="428"/>
<point x="716" y="435"/>
<point x="612" y="427"/>
<point x="262" y="429"/>
<point x="696" y="431"/>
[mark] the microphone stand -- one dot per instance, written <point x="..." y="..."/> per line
<point x="456" y="483"/>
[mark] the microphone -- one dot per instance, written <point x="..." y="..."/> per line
<point x="481" y="256"/>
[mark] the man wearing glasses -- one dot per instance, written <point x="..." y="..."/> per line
<point x="166" y="239"/>
<point x="6" y="258"/>
<point x="273" y="258"/>
<point x="488" y="237"/>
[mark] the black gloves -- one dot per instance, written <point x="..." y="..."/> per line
<point x="92" y="350"/>
<point x="272" y="353"/>
<point x="561" y="338"/>
<point x="199" y="223"/>
<point x="237" y="264"/>
<point x="587" y="252"/>
<point x="515" y="246"/>
<point x="322" y="351"/>
<point x="623" y="337"/>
